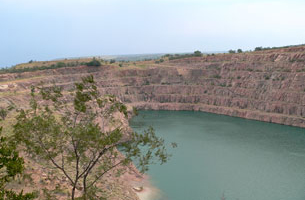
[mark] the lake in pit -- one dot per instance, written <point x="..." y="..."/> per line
<point x="226" y="156"/>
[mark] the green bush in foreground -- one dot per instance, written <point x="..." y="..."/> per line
<point x="11" y="165"/>
<point x="81" y="140"/>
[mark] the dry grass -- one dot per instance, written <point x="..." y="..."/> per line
<point x="49" y="63"/>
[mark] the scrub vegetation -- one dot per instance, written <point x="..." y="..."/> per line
<point x="11" y="165"/>
<point x="85" y="140"/>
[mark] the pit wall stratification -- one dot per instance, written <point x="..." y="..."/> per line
<point x="267" y="86"/>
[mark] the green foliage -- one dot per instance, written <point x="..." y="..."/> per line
<point x="3" y="113"/>
<point x="11" y="165"/>
<point x="94" y="63"/>
<point x="283" y="47"/>
<point x="181" y="56"/>
<point x="258" y="49"/>
<point x="267" y="77"/>
<point x="82" y="139"/>
<point x="60" y="65"/>
<point x="239" y="51"/>
<point x="146" y="82"/>
<point x="11" y="195"/>
<point x="121" y="65"/>
<point x="159" y="61"/>
<point x="197" y="53"/>
<point x="216" y="76"/>
<point x="135" y="111"/>
<point x="232" y="51"/>
<point x="112" y="61"/>
<point x="37" y="68"/>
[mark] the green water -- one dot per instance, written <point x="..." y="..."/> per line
<point x="216" y="155"/>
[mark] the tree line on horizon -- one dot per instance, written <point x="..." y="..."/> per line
<point x="93" y="63"/>
<point x="96" y="63"/>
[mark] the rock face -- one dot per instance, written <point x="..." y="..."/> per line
<point x="266" y="85"/>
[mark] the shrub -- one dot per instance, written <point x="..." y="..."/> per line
<point x="258" y="49"/>
<point x="60" y="64"/>
<point x="181" y="56"/>
<point x="94" y="63"/>
<point x="223" y="85"/>
<point x="216" y="76"/>
<point x="112" y="61"/>
<point x="197" y="53"/>
<point x="239" y="51"/>
<point x="11" y="166"/>
<point x="135" y="111"/>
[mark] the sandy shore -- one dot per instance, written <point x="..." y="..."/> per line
<point x="149" y="192"/>
<point x="144" y="189"/>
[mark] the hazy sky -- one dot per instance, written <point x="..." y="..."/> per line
<point x="50" y="29"/>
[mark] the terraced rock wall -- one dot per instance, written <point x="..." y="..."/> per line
<point x="266" y="85"/>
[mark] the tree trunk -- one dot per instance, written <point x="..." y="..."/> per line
<point x="85" y="187"/>
<point x="73" y="192"/>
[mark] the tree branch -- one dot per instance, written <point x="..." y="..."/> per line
<point x="106" y="171"/>
<point x="54" y="163"/>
